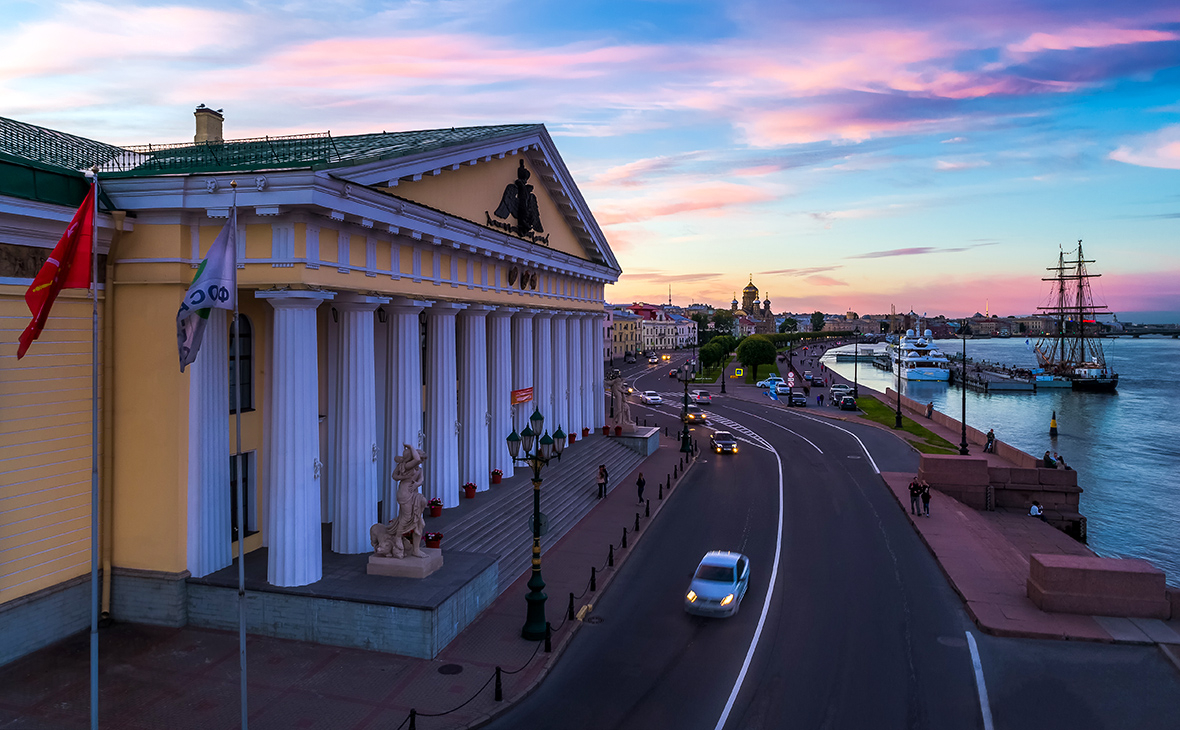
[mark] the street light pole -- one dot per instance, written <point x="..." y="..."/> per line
<point x="855" y="362"/>
<point x="685" y="441"/>
<point x="535" y="626"/>
<point x="897" y="415"/>
<point x="963" y="331"/>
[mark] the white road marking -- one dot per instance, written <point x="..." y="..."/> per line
<point x="760" y="418"/>
<point x="838" y="428"/>
<point x="778" y="549"/>
<point x="984" y="705"/>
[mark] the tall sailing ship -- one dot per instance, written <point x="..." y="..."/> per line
<point x="1074" y="352"/>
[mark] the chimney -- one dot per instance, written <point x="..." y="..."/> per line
<point x="208" y="125"/>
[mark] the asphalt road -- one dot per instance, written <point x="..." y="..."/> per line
<point x="859" y="628"/>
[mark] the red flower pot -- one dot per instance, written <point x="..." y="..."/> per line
<point x="573" y="437"/>
<point x="436" y="511"/>
<point x="618" y="430"/>
<point x="606" y="430"/>
<point x="585" y="432"/>
<point x="433" y="543"/>
<point x="496" y="478"/>
<point x="470" y="492"/>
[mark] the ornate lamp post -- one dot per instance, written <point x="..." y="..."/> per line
<point x="535" y="625"/>
<point x="686" y="374"/>
<point x="964" y="332"/>
<point x="855" y="362"/>
<point x="897" y="415"/>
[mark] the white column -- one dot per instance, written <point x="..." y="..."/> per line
<point x="573" y="365"/>
<point x="209" y="537"/>
<point x="473" y="397"/>
<point x="543" y="367"/>
<point x="293" y="467"/>
<point x="591" y="361"/>
<point x="561" y="411"/>
<point x="353" y="453"/>
<point x="499" y="336"/>
<point x="522" y="364"/>
<point x="599" y="373"/>
<point x="442" y="409"/>
<point x="403" y="390"/>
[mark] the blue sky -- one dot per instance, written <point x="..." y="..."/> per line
<point x="846" y="154"/>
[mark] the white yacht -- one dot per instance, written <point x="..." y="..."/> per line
<point x="919" y="359"/>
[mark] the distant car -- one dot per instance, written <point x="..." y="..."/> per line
<point x="799" y="399"/>
<point x="628" y="358"/>
<point x="629" y="389"/>
<point x="693" y="414"/>
<point x="718" y="585"/>
<point x="701" y="396"/>
<point x="781" y="388"/>
<point x="818" y="382"/>
<point x="665" y="357"/>
<point x="650" y="397"/>
<point x="653" y="360"/>
<point x="840" y="389"/>
<point x="807" y="375"/>
<point x="673" y="373"/>
<point x="848" y="403"/>
<point x="770" y="382"/>
<point x="723" y="442"/>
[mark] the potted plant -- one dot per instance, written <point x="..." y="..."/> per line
<point x="469" y="488"/>
<point x="433" y="539"/>
<point x="618" y="430"/>
<point x="585" y="432"/>
<point x="573" y="437"/>
<point x="606" y="430"/>
<point x="497" y="475"/>
<point x="435" y="507"/>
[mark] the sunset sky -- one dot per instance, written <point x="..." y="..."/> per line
<point x="849" y="155"/>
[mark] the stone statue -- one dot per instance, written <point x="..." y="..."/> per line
<point x="619" y="405"/>
<point x="390" y="540"/>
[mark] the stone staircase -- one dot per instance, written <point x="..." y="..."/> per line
<point x="498" y="521"/>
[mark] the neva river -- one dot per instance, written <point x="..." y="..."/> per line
<point x="1125" y="447"/>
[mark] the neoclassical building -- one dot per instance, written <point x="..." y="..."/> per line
<point x="757" y="312"/>
<point x="395" y="288"/>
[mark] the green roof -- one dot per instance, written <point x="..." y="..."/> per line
<point x="67" y="151"/>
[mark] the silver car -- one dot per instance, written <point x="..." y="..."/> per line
<point x="718" y="585"/>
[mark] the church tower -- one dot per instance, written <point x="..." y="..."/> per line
<point x="750" y="297"/>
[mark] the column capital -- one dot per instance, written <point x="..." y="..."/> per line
<point x="477" y="310"/>
<point x="295" y="299"/>
<point x="543" y="313"/>
<point x="503" y="311"/>
<point x="525" y="313"/>
<point x="444" y="308"/>
<point x="358" y="302"/>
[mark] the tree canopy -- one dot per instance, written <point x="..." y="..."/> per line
<point x="790" y="324"/>
<point x="712" y="355"/>
<point x="817" y="321"/>
<point x="754" y="351"/>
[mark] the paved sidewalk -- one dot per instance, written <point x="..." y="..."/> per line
<point x="152" y="677"/>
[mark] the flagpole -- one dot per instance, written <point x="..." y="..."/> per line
<point x="94" y="457"/>
<point x="241" y="490"/>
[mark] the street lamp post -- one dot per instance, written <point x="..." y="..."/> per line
<point x="535" y="625"/>
<point x="964" y="331"/>
<point x="790" y="369"/>
<point x="855" y="362"/>
<point x="897" y="415"/>
<point x="686" y="374"/>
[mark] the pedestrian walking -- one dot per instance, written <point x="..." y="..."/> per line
<point x="930" y="409"/>
<point x="819" y="399"/>
<point x="601" y="481"/>
<point x="926" y="498"/>
<point x="915" y="494"/>
<point x="640" y="482"/>
<point x="990" y="446"/>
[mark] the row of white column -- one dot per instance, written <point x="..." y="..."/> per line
<point x="475" y="355"/>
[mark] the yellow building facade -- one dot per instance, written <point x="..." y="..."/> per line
<point x="393" y="288"/>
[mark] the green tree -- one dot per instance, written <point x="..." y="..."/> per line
<point x="726" y="342"/>
<point x="754" y="351"/>
<point x="817" y="321"/>
<point x="723" y="320"/>
<point x="712" y="355"/>
<point x="790" y="324"/>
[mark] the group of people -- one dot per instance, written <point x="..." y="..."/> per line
<point x="919" y="490"/>
<point x="1054" y="461"/>
<point x="640" y="483"/>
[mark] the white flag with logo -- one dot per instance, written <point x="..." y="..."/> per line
<point x="214" y="287"/>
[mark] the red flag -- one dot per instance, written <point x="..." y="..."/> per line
<point x="68" y="267"/>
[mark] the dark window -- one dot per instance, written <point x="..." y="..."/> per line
<point x="247" y="481"/>
<point x="244" y="372"/>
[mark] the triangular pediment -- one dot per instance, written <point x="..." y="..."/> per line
<point x="468" y="179"/>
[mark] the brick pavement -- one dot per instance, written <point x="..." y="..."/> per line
<point x="154" y="677"/>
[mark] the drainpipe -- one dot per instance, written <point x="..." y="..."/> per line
<point x="108" y="416"/>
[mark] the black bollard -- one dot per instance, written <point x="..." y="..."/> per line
<point x="661" y="490"/>
<point x="647" y="508"/>
<point x="624" y="537"/>
<point x="637" y="522"/>
<point x="593" y="579"/>
<point x="674" y="472"/>
<point x="610" y="556"/>
<point x="669" y="477"/>
<point x="570" y="613"/>
<point x="413" y="720"/>
<point x="499" y="688"/>
<point x="665" y="432"/>
<point x="548" y="637"/>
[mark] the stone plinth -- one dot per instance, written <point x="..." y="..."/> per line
<point x="643" y="439"/>
<point x="1122" y="587"/>
<point x="407" y="567"/>
<point x="963" y="477"/>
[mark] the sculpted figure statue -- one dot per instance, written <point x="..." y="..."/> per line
<point x="622" y="409"/>
<point x="389" y="540"/>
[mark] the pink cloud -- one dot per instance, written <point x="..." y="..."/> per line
<point x="708" y="198"/>
<point x="1089" y="37"/>
<point x="1158" y="149"/>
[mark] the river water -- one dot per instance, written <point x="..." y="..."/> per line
<point x="1124" y="446"/>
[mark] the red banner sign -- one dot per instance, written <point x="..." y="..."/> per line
<point x="524" y="395"/>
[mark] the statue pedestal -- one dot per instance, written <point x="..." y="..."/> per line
<point x="407" y="567"/>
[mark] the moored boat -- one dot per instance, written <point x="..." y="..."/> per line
<point x="1074" y="352"/>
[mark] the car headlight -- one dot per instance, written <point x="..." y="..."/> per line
<point x="735" y="449"/>
<point x="692" y="597"/>
<point x="727" y="600"/>
<point x="718" y="449"/>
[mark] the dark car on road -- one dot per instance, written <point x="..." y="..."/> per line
<point x="848" y="403"/>
<point x="798" y="399"/>
<point x="693" y="414"/>
<point x="723" y="442"/>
